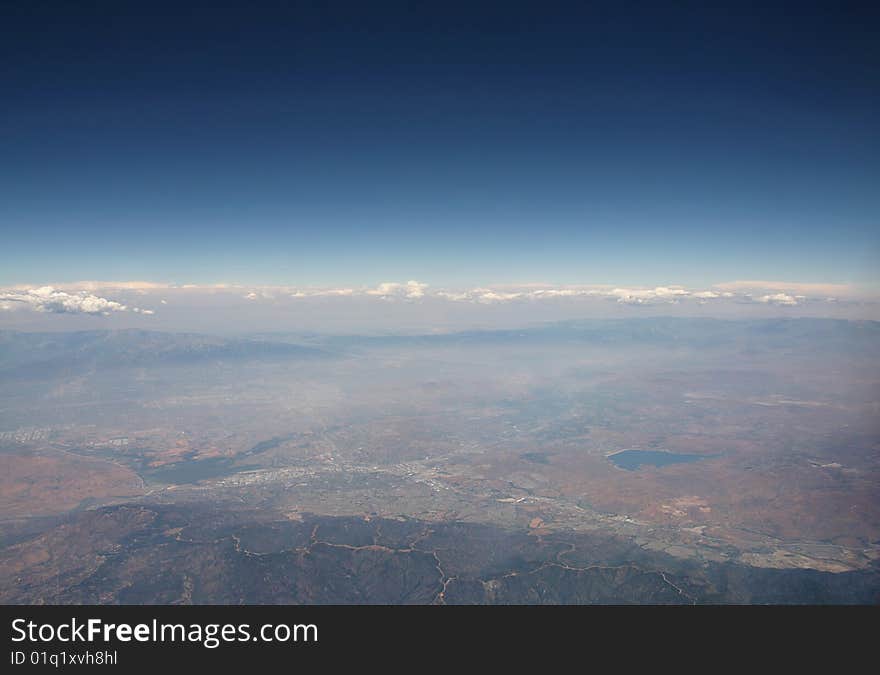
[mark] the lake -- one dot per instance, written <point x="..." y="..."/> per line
<point x="192" y="471"/>
<point x="634" y="459"/>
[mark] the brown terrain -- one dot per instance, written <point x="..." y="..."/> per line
<point x="776" y="458"/>
<point x="44" y="482"/>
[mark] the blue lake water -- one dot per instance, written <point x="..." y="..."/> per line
<point x="634" y="459"/>
<point x="182" y="473"/>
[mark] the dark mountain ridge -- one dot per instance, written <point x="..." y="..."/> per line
<point x="39" y="355"/>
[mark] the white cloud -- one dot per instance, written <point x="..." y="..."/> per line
<point x="788" y="287"/>
<point x="322" y="292"/>
<point x="265" y="293"/>
<point x="415" y="290"/>
<point x="412" y="290"/>
<point x="454" y="297"/>
<point x="486" y="296"/>
<point x="561" y="293"/>
<point x="507" y="293"/>
<point x="781" y="299"/>
<point x="83" y="298"/>
<point x="49" y="299"/>
<point x="341" y="292"/>
<point x="641" y="296"/>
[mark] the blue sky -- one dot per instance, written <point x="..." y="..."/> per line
<point x="636" y="146"/>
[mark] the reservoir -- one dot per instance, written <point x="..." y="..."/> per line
<point x="634" y="459"/>
<point x="193" y="471"/>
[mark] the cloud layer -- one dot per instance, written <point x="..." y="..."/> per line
<point x="788" y="286"/>
<point x="49" y="299"/>
<point x="106" y="298"/>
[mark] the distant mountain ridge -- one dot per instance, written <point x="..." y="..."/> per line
<point x="692" y="332"/>
<point x="48" y="354"/>
<point x="45" y="354"/>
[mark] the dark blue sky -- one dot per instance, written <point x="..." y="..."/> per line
<point x="574" y="143"/>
